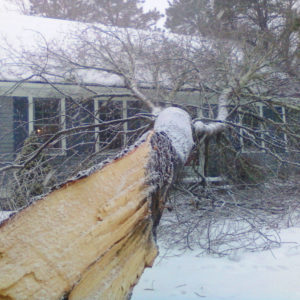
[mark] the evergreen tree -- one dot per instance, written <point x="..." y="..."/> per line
<point x="188" y="16"/>
<point x="120" y="13"/>
<point x="232" y="18"/>
<point x="258" y="23"/>
<point x="60" y="9"/>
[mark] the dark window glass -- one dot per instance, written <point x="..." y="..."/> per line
<point x="80" y="113"/>
<point x="273" y="134"/>
<point x="47" y="119"/>
<point x="232" y="131"/>
<point x="110" y="136"/>
<point x="20" y="121"/>
<point x="210" y="111"/>
<point x="192" y="110"/>
<point x="251" y="131"/>
<point x="135" y="127"/>
<point x="293" y="125"/>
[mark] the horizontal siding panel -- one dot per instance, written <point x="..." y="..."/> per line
<point x="6" y="125"/>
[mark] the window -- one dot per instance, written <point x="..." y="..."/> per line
<point x="135" y="127"/>
<point x="47" y="119"/>
<point x="251" y="133"/>
<point x="274" y="137"/>
<point x="210" y="111"/>
<point x="193" y="111"/>
<point x="292" y="118"/>
<point x="44" y="116"/>
<point x="263" y="129"/>
<point x="80" y="113"/>
<point x="109" y="136"/>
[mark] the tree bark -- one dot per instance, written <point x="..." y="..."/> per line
<point x="92" y="237"/>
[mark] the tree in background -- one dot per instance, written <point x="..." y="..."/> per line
<point x="109" y="12"/>
<point x="205" y="16"/>
<point x="123" y="13"/>
<point x="188" y="17"/>
<point x="267" y="34"/>
<point x="60" y="9"/>
<point x="270" y="25"/>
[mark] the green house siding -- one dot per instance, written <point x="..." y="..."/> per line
<point x="6" y="127"/>
<point x="20" y="121"/>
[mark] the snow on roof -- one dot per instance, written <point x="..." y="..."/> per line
<point x="44" y="49"/>
<point x="29" y="40"/>
<point x="35" y="45"/>
<point x="16" y="25"/>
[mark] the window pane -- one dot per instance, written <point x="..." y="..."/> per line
<point x="135" y="127"/>
<point x="273" y="134"/>
<point x="110" y="136"/>
<point x="293" y="124"/>
<point x="192" y="110"/>
<point x="210" y="111"/>
<point x="251" y="131"/>
<point x="47" y="118"/>
<point x="233" y="132"/>
<point x="46" y="111"/>
<point x="80" y="113"/>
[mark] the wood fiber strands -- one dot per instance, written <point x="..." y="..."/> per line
<point x="89" y="239"/>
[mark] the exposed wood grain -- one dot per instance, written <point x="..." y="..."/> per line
<point x="93" y="235"/>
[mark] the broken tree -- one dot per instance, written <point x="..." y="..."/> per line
<point x="92" y="237"/>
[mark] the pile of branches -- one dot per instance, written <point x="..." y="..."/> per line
<point x="221" y="220"/>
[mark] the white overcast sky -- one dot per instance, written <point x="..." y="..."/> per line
<point x="159" y="4"/>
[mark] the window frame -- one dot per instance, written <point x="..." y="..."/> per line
<point x="97" y="131"/>
<point x="261" y="107"/>
<point x="61" y="150"/>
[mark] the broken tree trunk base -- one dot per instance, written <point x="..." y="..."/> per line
<point x="93" y="237"/>
<point x="102" y="222"/>
<point x="114" y="275"/>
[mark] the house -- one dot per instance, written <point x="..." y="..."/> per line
<point x="42" y="92"/>
<point x="32" y="104"/>
<point x="54" y="102"/>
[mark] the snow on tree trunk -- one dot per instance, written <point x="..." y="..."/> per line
<point x="217" y="126"/>
<point x="176" y="123"/>
<point x="92" y="237"/>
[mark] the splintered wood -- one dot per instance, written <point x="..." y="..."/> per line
<point x="90" y="239"/>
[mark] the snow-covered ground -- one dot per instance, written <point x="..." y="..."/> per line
<point x="4" y="215"/>
<point x="267" y="275"/>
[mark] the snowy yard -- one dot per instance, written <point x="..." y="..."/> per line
<point x="265" y="275"/>
<point x="272" y="274"/>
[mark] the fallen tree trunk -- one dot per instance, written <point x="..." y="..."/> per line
<point x="92" y="237"/>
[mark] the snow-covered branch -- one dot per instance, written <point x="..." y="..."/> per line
<point x="215" y="127"/>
